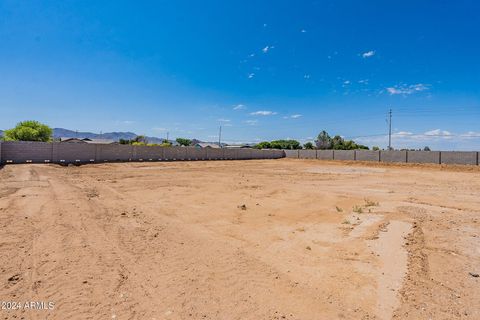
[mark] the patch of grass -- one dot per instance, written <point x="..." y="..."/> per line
<point x="308" y="248"/>
<point x="345" y="222"/>
<point x="357" y="209"/>
<point x="338" y="209"/>
<point x="370" y="203"/>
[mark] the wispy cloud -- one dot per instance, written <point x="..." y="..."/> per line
<point x="404" y="89"/>
<point x="368" y="54"/>
<point x="159" y="129"/>
<point x="263" y="113"/>
<point x="251" y="75"/>
<point x="471" y="134"/>
<point x="303" y="31"/>
<point x="223" y="120"/>
<point x="267" y="48"/>
<point x="438" y="133"/>
<point x="403" y="133"/>
<point x="239" y="107"/>
<point x="293" y="116"/>
<point x="251" y="122"/>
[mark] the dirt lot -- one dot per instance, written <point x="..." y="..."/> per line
<point x="260" y="239"/>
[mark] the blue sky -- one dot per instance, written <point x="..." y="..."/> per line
<point x="262" y="69"/>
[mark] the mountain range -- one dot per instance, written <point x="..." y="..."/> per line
<point x="65" y="133"/>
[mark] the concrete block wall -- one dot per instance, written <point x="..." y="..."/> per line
<point x="307" y="154"/>
<point x="393" y="156"/>
<point x="40" y="152"/>
<point x="110" y="152"/>
<point x="459" y="157"/>
<point x="446" y="157"/>
<point x="367" y="155"/>
<point x="73" y="152"/>
<point x="195" y="153"/>
<point x="325" y="154"/>
<point x="343" y="154"/>
<point x="291" y="153"/>
<point x="23" y="151"/>
<point x="423" y="157"/>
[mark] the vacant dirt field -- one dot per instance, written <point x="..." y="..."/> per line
<point x="260" y="239"/>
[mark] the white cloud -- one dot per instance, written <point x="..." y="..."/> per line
<point x="251" y="122"/>
<point x="294" y="116"/>
<point x="346" y="82"/>
<point x="306" y="76"/>
<point x="267" y="48"/>
<point x="407" y="89"/>
<point x="438" y="133"/>
<point x="403" y="133"/>
<point x="251" y="75"/>
<point x="263" y="113"/>
<point x="239" y="107"/>
<point x="471" y="134"/>
<point x="364" y="81"/>
<point x="303" y="31"/>
<point x="368" y="54"/>
<point x="224" y="120"/>
<point x="159" y="129"/>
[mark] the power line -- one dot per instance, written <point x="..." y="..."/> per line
<point x="390" y="130"/>
<point x="220" y="137"/>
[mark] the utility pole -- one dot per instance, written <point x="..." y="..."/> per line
<point x="390" y="130"/>
<point x="220" y="137"/>
<point x="167" y="135"/>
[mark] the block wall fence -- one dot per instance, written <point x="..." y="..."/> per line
<point x="438" y="157"/>
<point x="57" y="152"/>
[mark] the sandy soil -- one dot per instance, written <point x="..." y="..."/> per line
<point x="266" y="239"/>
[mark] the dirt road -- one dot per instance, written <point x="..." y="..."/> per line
<point x="260" y="239"/>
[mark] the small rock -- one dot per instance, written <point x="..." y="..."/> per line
<point x="243" y="207"/>
<point x="475" y="275"/>
<point x="308" y="248"/>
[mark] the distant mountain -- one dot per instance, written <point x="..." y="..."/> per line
<point x="65" y="133"/>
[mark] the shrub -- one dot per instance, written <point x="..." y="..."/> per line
<point x="29" y="131"/>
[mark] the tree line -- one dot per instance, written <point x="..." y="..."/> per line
<point x="323" y="142"/>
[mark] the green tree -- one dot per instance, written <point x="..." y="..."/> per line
<point x="285" y="144"/>
<point x="308" y="145"/>
<point x="140" y="140"/>
<point x="427" y="148"/>
<point x="324" y="141"/>
<point x="375" y="148"/>
<point x="184" y="142"/>
<point x="29" y="131"/>
<point x="263" y="145"/>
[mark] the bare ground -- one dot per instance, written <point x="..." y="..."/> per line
<point x="263" y="239"/>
